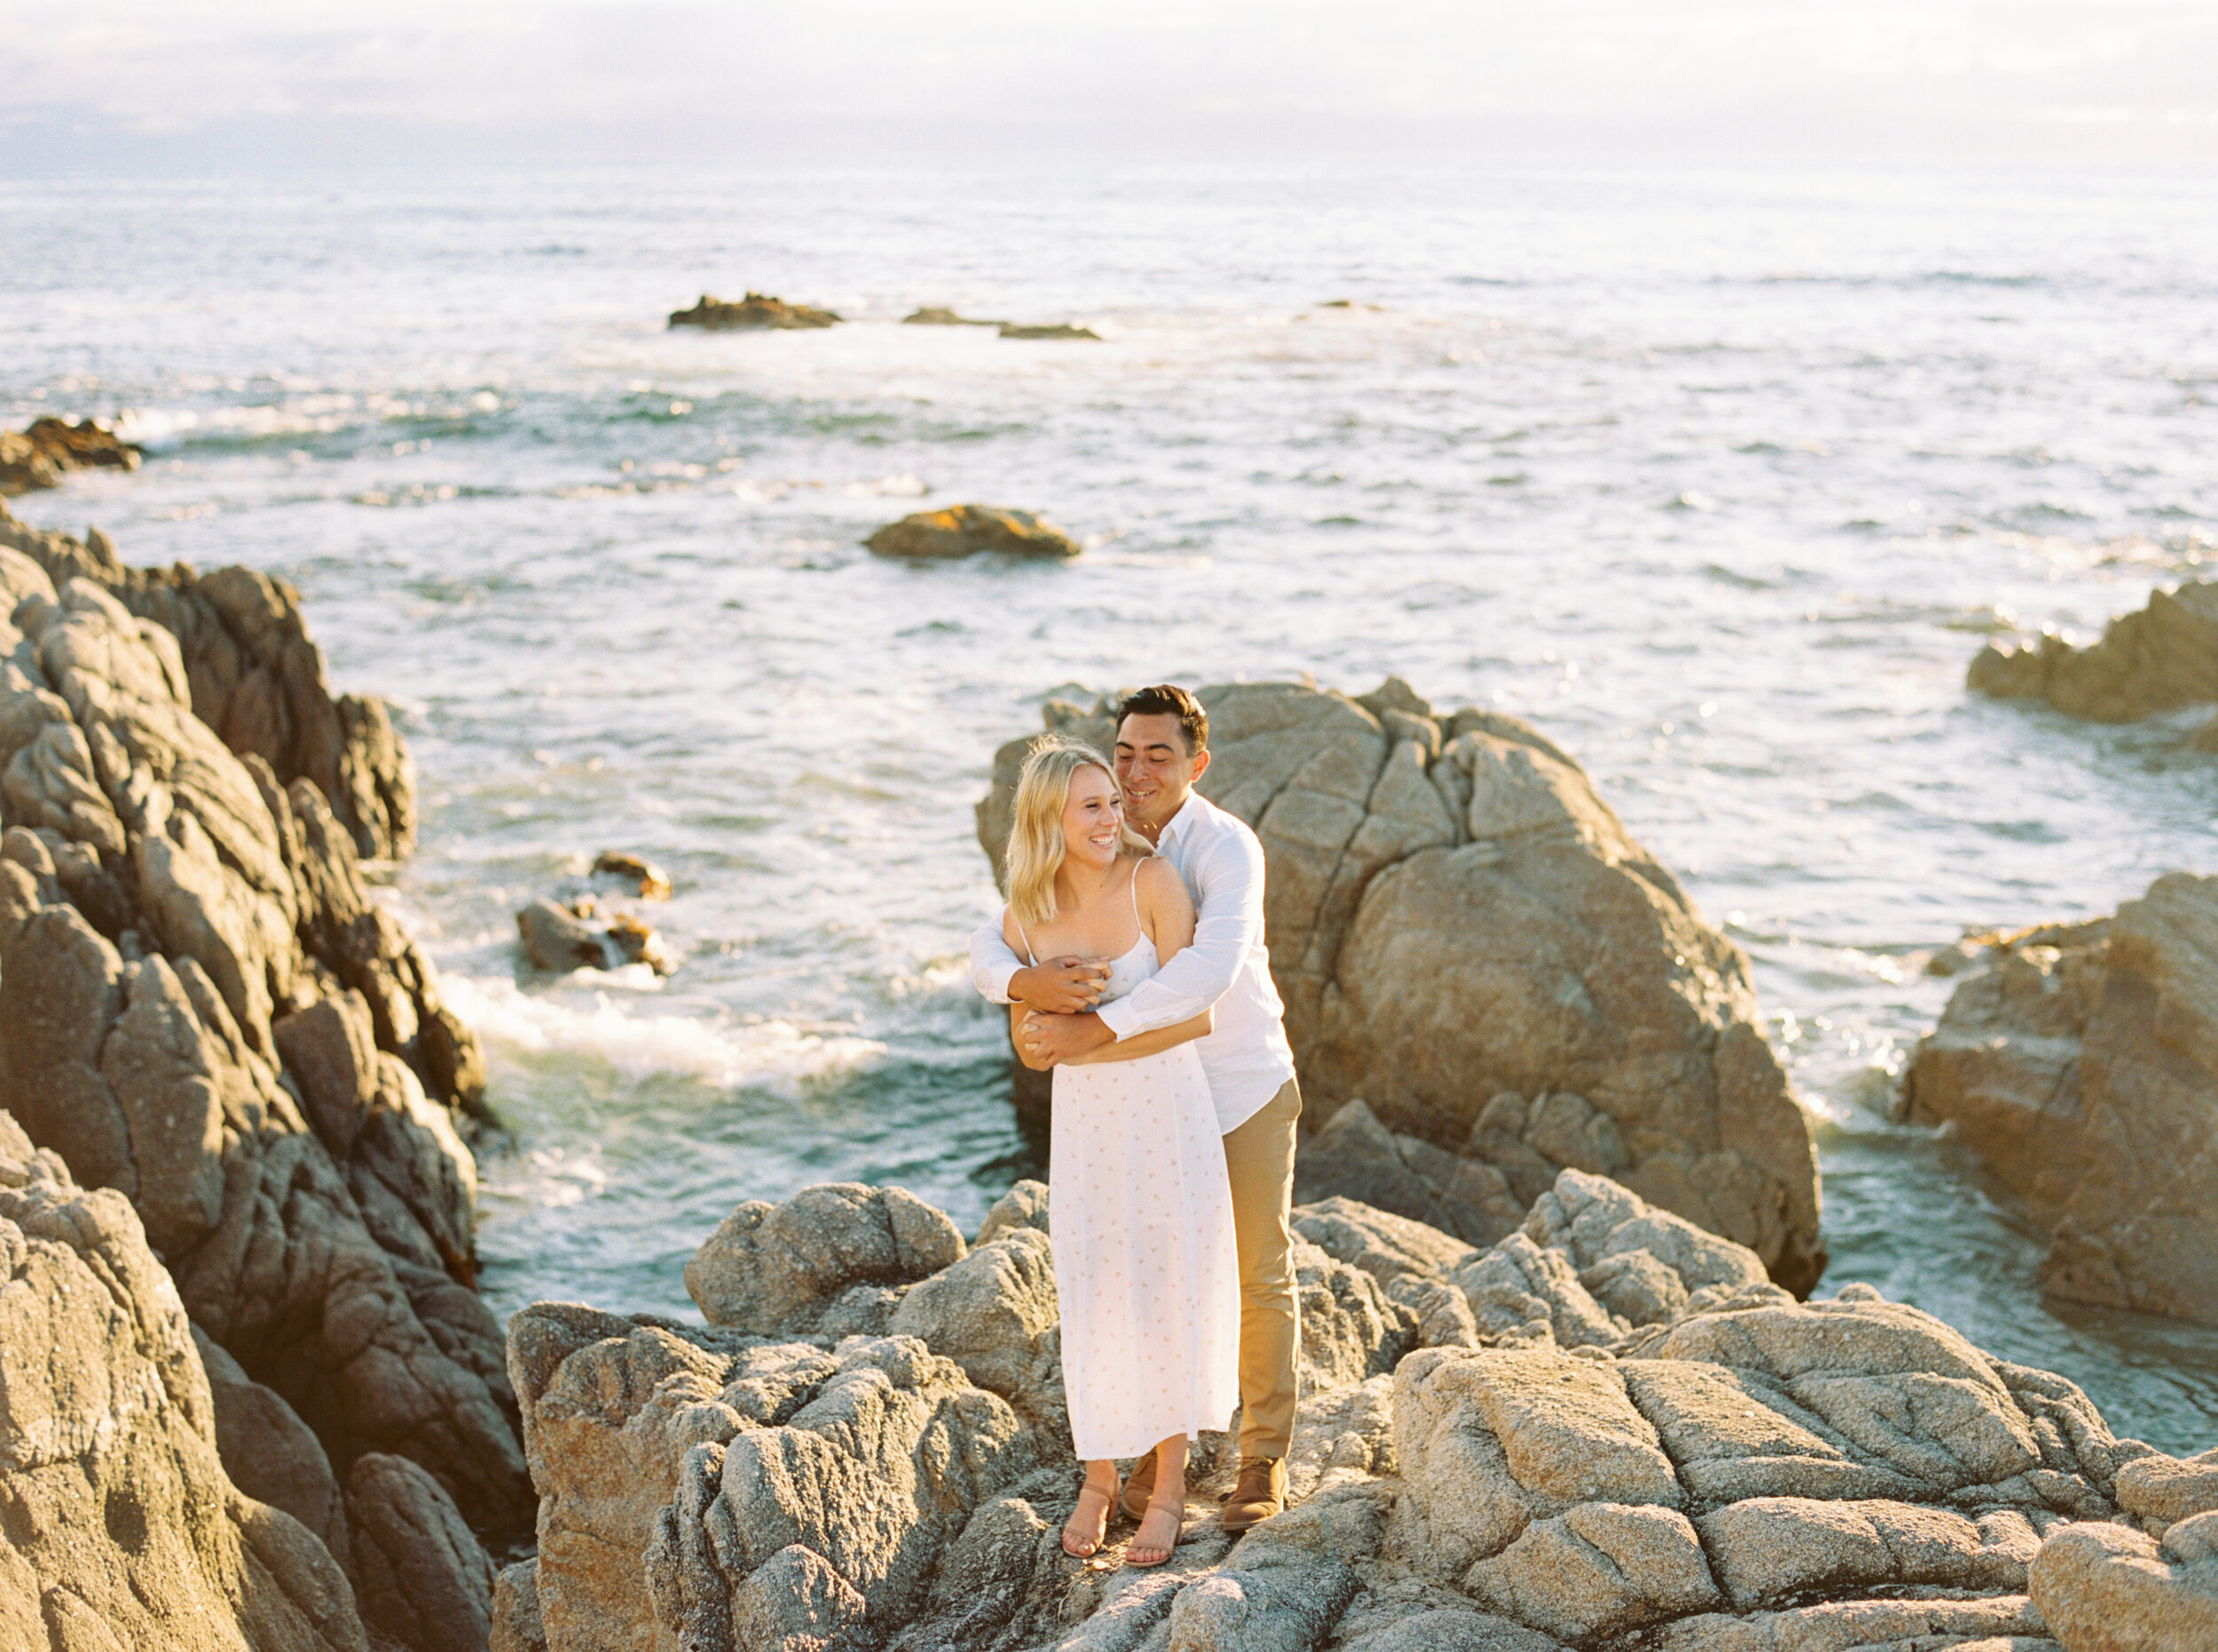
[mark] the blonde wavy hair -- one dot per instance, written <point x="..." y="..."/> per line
<point x="1036" y="833"/>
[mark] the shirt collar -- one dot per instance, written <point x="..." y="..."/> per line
<point x="1190" y="814"/>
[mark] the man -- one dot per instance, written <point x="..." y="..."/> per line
<point x="1162" y="749"/>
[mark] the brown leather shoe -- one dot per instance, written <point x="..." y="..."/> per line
<point x="1139" y="1489"/>
<point x="1260" y="1493"/>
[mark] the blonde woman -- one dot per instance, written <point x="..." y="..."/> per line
<point x="1145" y="1261"/>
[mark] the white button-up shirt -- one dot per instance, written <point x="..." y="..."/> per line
<point x="1246" y="1058"/>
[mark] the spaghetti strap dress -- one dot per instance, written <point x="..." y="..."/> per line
<point x="1141" y="1212"/>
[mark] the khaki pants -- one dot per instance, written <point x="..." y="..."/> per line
<point x="1259" y="1157"/>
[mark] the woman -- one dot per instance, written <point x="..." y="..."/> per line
<point x="1144" y="1263"/>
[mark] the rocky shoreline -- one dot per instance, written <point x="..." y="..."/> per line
<point x="1559" y="1209"/>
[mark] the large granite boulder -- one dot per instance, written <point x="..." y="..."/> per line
<point x="961" y="530"/>
<point x="2081" y="1065"/>
<point x="757" y="312"/>
<point x="255" y="679"/>
<point x="1630" y="1436"/>
<point x="2163" y="657"/>
<point x="202" y="1007"/>
<point x="1469" y="940"/>
<point x="120" y="1527"/>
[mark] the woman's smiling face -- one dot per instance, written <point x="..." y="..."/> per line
<point x="1093" y="818"/>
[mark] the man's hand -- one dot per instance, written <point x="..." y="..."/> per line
<point x="1061" y="986"/>
<point x="1053" y="1039"/>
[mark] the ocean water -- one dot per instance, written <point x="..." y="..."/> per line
<point x="1720" y="480"/>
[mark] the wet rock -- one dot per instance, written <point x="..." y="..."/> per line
<point x="558" y="940"/>
<point x="50" y="447"/>
<point x="2159" y="659"/>
<point x="1465" y="936"/>
<point x="756" y="312"/>
<point x="2108" y="1588"/>
<point x="421" y="1578"/>
<point x="933" y="316"/>
<point x="2082" y="1068"/>
<point x="1060" y="329"/>
<point x="122" y="1528"/>
<point x="641" y="876"/>
<point x="779" y="1269"/>
<point x="965" y="529"/>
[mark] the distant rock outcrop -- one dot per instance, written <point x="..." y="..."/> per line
<point x="1060" y="329"/>
<point x="757" y="312"/>
<point x="1609" y="1429"/>
<point x="1469" y="940"/>
<point x="39" y="456"/>
<point x="932" y="316"/>
<point x="202" y="1009"/>
<point x="965" y="529"/>
<point x="2081" y="1065"/>
<point x="2163" y="657"/>
<point x="122" y="1528"/>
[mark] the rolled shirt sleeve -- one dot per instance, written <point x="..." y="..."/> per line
<point x="1227" y="878"/>
<point x="992" y="963"/>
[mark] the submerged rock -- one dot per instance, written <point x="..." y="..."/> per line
<point x="756" y="312"/>
<point x="2159" y="659"/>
<point x="965" y="529"/>
<point x="1637" y="1440"/>
<point x="50" y="447"/>
<point x="641" y="877"/>
<point x="1467" y="938"/>
<point x="2081" y="1065"/>
<point x="122" y="1528"/>
<point x="558" y="938"/>
<point x="1061" y="329"/>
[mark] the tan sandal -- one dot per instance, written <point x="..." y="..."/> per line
<point x="1178" y="1512"/>
<point x="1101" y="1526"/>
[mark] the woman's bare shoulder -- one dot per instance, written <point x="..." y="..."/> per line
<point x="1157" y="879"/>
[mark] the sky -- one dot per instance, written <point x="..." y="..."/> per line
<point x="102" y="84"/>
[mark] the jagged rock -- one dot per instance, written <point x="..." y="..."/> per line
<point x="2159" y="659"/>
<point x="255" y="678"/>
<point x="121" y="1527"/>
<point x="994" y="1313"/>
<point x="1350" y="1328"/>
<point x="49" y="447"/>
<point x="421" y="1578"/>
<point x="838" y="1516"/>
<point x="642" y="877"/>
<point x="2005" y="1623"/>
<point x="756" y="312"/>
<point x="2108" y="1588"/>
<point x="271" y="1454"/>
<point x="612" y="1406"/>
<point x="934" y="316"/>
<point x="965" y="529"/>
<point x="1356" y="1157"/>
<point x="1060" y="329"/>
<point x="147" y="1052"/>
<point x="1466" y="937"/>
<point x="782" y="1269"/>
<point x="2085" y="1074"/>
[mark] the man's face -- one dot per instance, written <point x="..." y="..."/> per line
<point x="1154" y="768"/>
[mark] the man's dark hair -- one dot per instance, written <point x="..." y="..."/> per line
<point x="1168" y="699"/>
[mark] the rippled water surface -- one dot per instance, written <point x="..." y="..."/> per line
<point x="1721" y="481"/>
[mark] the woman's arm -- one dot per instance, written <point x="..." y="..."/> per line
<point x="1148" y="1044"/>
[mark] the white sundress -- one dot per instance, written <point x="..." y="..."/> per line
<point x="1145" y="1267"/>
